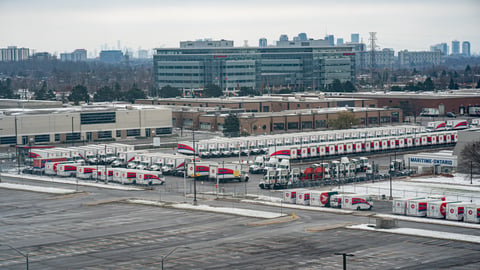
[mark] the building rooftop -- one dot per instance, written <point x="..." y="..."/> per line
<point x="462" y="93"/>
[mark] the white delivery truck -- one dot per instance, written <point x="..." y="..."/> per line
<point x="129" y="176"/>
<point x="303" y="197"/>
<point x="86" y="172"/>
<point x="202" y="169"/>
<point x="455" y="211"/>
<point x="438" y="209"/>
<point x="290" y="195"/>
<point x="227" y="172"/>
<point x="67" y="170"/>
<point x="399" y="206"/>
<point x="117" y="174"/>
<point x="150" y="178"/>
<point x="321" y="198"/>
<point x="357" y="202"/>
<point x="104" y="173"/>
<point x="336" y="200"/>
<point x="472" y="213"/>
<point x="456" y="124"/>
<point x="418" y="208"/>
<point x="436" y="126"/>
<point x="51" y="168"/>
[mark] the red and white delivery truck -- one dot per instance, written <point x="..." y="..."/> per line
<point x="303" y="197"/>
<point x="321" y="198"/>
<point x="336" y="200"/>
<point x="438" y="209"/>
<point x="472" y="213"/>
<point x="290" y="195"/>
<point x="418" y="208"/>
<point x="455" y="211"/>
<point x="357" y="202"/>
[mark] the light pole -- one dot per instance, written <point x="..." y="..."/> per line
<point x="344" y="259"/>
<point x="25" y="255"/>
<point x="194" y="169"/>
<point x="168" y="254"/>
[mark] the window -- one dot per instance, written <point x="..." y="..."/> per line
<point x="42" y="138"/>
<point x="278" y="126"/>
<point x="264" y="127"/>
<point x="372" y="120"/>
<point x="187" y="122"/>
<point x="133" y="132"/>
<point x="385" y="119"/>
<point x="104" y="134"/>
<point x="57" y="137"/>
<point x="174" y="122"/>
<point x="292" y="125"/>
<point x="7" y="140"/>
<point x="118" y="133"/>
<point x="321" y="123"/>
<point x="73" y="136"/>
<point x="97" y="118"/>
<point x="395" y="117"/>
<point x="205" y="125"/>
<point x="166" y="130"/>
<point x="266" y="109"/>
<point x="306" y="125"/>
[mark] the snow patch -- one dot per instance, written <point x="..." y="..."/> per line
<point x="145" y="202"/>
<point x="72" y="181"/>
<point x="37" y="188"/>
<point x="226" y="210"/>
<point x="420" y="232"/>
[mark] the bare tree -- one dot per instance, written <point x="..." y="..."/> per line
<point x="469" y="159"/>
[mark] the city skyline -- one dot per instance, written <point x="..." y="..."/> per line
<point x="58" y="26"/>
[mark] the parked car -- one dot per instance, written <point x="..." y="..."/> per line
<point x="451" y="114"/>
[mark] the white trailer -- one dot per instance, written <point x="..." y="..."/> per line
<point x="455" y="211"/>
<point x="86" y="172"/>
<point x="457" y="124"/>
<point x="290" y="195"/>
<point x="129" y="176"/>
<point x="303" y="197"/>
<point x="399" y="206"/>
<point x="67" y="170"/>
<point x="185" y="148"/>
<point x="104" y="173"/>
<point x="357" y="202"/>
<point x="436" y="126"/>
<point x="202" y="169"/>
<point x="438" y="209"/>
<point x="336" y="200"/>
<point x="150" y="178"/>
<point x="51" y="168"/>
<point x="117" y="174"/>
<point x="321" y="198"/>
<point x="472" y="213"/>
<point x="225" y="172"/>
<point x="418" y="208"/>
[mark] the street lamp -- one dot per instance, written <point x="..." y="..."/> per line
<point x="19" y="252"/>
<point x="344" y="258"/>
<point x="169" y="253"/>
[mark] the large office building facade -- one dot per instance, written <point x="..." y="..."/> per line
<point x="258" y="68"/>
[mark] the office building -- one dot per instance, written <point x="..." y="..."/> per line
<point x="419" y="59"/>
<point x="142" y="54"/>
<point x="383" y="59"/>
<point x="14" y="54"/>
<point x="111" y="56"/>
<point x="455" y="47"/>
<point x="262" y="43"/>
<point x="231" y="68"/>
<point x="442" y="47"/>
<point x="79" y="55"/>
<point x="89" y="123"/>
<point x="355" y="38"/>
<point x="206" y="43"/>
<point x="466" y="48"/>
<point x="339" y="41"/>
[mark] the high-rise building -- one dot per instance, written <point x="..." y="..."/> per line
<point x="339" y="41"/>
<point x="283" y="38"/>
<point x="466" y="48"/>
<point x="355" y="38"/>
<point x="302" y="37"/>
<point x="455" y="47"/>
<point x="142" y="54"/>
<point x="442" y="47"/>
<point x="331" y="39"/>
<point x="262" y="43"/>
<point x="14" y="54"/>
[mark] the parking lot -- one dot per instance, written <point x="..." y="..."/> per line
<point x="96" y="229"/>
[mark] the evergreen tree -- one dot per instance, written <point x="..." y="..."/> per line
<point x="104" y="94"/>
<point x="231" y="126"/>
<point x="169" y="92"/>
<point x="428" y="85"/>
<point x="212" y="90"/>
<point x="79" y="93"/>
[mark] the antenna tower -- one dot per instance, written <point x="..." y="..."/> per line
<point x="372" y="39"/>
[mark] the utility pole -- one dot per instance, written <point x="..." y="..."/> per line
<point x="372" y="38"/>
<point x="194" y="168"/>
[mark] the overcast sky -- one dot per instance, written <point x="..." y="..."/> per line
<point x="64" y="25"/>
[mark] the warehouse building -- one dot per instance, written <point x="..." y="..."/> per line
<point x="83" y="123"/>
